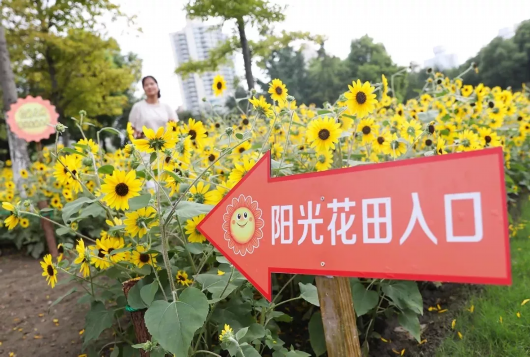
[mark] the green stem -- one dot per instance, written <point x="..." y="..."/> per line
<point x="288" y="300"/>
<point x="283" y="288"/>
<point x="58" y="224"/>
<point x="207" y="352"/>
<point x="189" y="254"/>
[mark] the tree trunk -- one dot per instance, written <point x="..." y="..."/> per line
<point x="18" y="148"/>
<point x="246" y="53"/>
<point x="137" y="318"/>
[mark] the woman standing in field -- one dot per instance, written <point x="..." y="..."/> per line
<point x="150" y="112"/>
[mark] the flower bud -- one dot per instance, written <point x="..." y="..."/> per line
<point x="61" y="128"/>
<point x="82" y="113"/>
<point x="27" y="203"/>
<point x="229" y="131"/>
<point x="87" y="162"/>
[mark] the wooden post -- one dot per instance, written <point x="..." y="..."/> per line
<point x="338" y="317"/>
<point x="137" y="317"/>
<point x="49" y="233"/>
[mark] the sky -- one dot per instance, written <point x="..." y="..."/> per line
<point x="409" y="29"/>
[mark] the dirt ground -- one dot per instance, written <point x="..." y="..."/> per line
<point x="27" y="328"/>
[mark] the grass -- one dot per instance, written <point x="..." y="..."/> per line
<point x="483" y="334"/>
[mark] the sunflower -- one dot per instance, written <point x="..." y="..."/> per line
<point x="13" y="219"/>
<point x="60" y="250"/>
<point x="24" y="222"/>
<point x="379" y="142"/>
<point x="361" y="100"/>
<point x="440" y="146"/>
<point x="196" y="131"/>
<point x="55" y="201"/>
<point x="201" y="193"/>
<point x="226" y="334"/>
<point x="394" y="147"/>
<point x="261" y="106"/>
<point x="467" y="90"/>
<point x="137" y="222"/>
<point x="140" y="257"/>
<point x="194" y="236"/>
<point x="411" y="130"/>
<point x="24" y="173"/>
<point x="49" y="270"/>
<point x="160" y="141"/>
<point x="240" y="170"/>
<point x="277" y="90"/>
<point x="385" y="84"/>
<point x="368" y="130"/>
<point x="91" y="144"/>
<point x="182" y="278"/>
<point x="277" y="150"/>
<point x="130" y="132"/>
<point x="238" y="151"/>
<point x="82" y="258"/>
<point x="323" y="133"/>
<point x="488" y="137"/>
<point x="324" y="160"/>
<point x="119" y="188"/>
<point x="496" y="114"/>
<point x="68" y="194"/>
<point x="219" y="85"/>
<point x="67" y="172"/>
<point x="468" y="141"/>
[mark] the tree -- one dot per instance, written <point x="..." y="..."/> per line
<point x="39" y="33"/>
<point x="368" y="60"/>
<point x="258" y="13"/>
<point x="17" y="147"/>
<point x="289" y="66"/>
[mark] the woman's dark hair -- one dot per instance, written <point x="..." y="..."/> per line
<point x="154" y="79"/>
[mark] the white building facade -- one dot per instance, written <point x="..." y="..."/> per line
<point x="194" y="43"/>
<point x="442" y="60"/>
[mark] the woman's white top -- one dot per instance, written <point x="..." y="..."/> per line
<point x="152" y="116"/>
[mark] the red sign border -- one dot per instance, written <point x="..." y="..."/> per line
<point x="418" y="277"/>
<point x="21" y="133"/>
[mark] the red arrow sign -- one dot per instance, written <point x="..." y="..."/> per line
<point x="440" y="218"/>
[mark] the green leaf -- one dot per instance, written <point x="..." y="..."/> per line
<point x="73" y="207"/>
<point x="174" y="324"/>
<point x="94" y="210"/>
<point x="255" y="332"/>
<point x="72" y="151"/>
<point x="323" y="111"/>
<point x="195" y="248"/>
<point x="241" y="333"/>
<point x="309" y="293"/>
<point x="239" y="136"/>
<point x="138" y="202"/>
<point x="294" y="353"/>
<point x="148" y="292"/>
<point x="134" y="298"/>
<point x="157" y="352"/>
<point x="405" y="294"/>
<point x="187" y="210"/>
<point x="97" y="320"/>
<point x="106" y="169"/>
<point x="70" y="292"/>
<point x="175" y="177"/>
<point x="316" y="334"/>
<point x="363" y="300"/>
<point x="248" y="351"/>
<point x="115" y="351"/>
<point x="409" y="320"/>
<point x="61" y="231"/>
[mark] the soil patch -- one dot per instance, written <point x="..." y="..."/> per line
<point x="28" y="328"/>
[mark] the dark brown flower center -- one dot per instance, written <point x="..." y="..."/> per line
<point x="144" y="258"/>
<point x="491" y="105"/>
<point x="49" y="270"/>
<point x="519" y="118"/>
<point x="219" y="85"/>
<point x="324" y="134"/>
<point x="366" y="130"/>
<point x="487" y="138"/>
<point x="101" y="253"/>
<point x="278" y="90"/>
<point x="121" y="189"/>
<point x="110" y="250"/>
<point x="360" y="97"/>
<point x="193" y="134"/>
<point x="211" y="157"/>
<point x="439" y="81"/>
<point x="217" y="125"/>
<point x="60" y="249"/>
<point x="380" y="140"/>
<point x="431" y="129"/>
<point x="241" y="150"/>
<point x="168" y="159"/>
<point x="428" y="142"/>
<point x="245" y="121"/>
<point x="400" y="113"/>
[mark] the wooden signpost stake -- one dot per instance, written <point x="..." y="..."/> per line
<point x="338" y="316"/>
<point x="416" y="219"/>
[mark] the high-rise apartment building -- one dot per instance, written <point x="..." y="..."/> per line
<point x="442" y="60"/>
<point x="194" y="43"/>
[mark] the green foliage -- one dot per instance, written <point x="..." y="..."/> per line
<point x="316" y="334"/>
<point x="182" y="317"/>
<point x="97" y="320"/>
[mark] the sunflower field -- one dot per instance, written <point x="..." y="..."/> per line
<point x="129" y="217"/>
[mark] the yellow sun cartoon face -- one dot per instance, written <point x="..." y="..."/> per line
<point x="242" y="224"/>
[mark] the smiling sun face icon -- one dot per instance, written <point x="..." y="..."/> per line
<point x="243" y="225"/>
